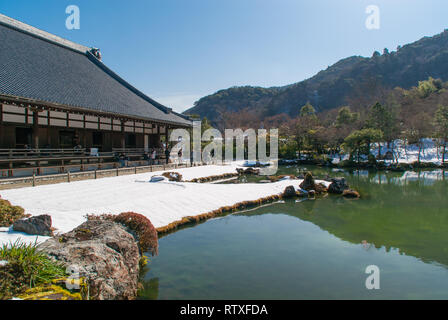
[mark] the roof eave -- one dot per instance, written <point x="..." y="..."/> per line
<point x="37" y="103"/>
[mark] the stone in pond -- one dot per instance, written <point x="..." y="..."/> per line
<point x="289" y="192"/>
<point x="308" y="183"/>
<point x="351" y="194"/>
<point x="337" y="186"/>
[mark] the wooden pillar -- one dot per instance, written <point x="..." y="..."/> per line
<point x="48" y="129"/>
<point x="84" y="132"/>
<point x="145" y="141"/>
<point x="166" y="135"/>
<point x="123" y="140"/>
<point x="36" y="129"/>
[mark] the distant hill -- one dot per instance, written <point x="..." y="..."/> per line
<point x="347" y="80"/>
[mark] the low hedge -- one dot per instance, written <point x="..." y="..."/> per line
<point x="9" y="213"/>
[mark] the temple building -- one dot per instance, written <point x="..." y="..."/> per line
<point x="56" y="94"/>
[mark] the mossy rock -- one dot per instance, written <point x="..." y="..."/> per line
<point x="49" y="292"/>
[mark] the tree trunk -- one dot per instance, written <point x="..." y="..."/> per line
<point x="443" y="154"/>
<point x="405" y="149"/>
<point x="419" y="150"/>
<point x="359" y="149"/>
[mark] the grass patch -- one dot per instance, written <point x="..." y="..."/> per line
<point x="9" y="213"/>
<point x="26" y="268"/>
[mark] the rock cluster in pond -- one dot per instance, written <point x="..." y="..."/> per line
<point x="105" y="253"/>
<point x="38" y="225"/>
<point x="309" y="184"/>
<point x="338" y="186"/>
<point x="311" y="188"/>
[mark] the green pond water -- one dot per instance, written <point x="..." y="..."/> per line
<point x="316" y="249"/>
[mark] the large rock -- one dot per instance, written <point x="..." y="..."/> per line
<point x="337" y="186"/>
<point x="320" y="188"/>
<point x="105" y="253"/>
<point x="38" y="225"/>
<point x="289" y="192"/>
<point x="308" y="182"/>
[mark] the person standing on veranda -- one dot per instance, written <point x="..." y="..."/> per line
<point x="153" y="156"/>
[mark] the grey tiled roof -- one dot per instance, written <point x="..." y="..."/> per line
<point x="40" y="66"/>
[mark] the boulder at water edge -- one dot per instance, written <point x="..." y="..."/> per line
<point x="104" y="253"/>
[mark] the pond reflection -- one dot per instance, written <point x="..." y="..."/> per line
<point x="317" y="249"/>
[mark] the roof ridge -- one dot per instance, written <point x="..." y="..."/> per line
<point x="129" y="86"/>
<point x="26" y="28"/>
<point x="132" y="88"/>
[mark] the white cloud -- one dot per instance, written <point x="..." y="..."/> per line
<point x="179" y="102"/>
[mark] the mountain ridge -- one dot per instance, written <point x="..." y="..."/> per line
<point x="340" y="84"/>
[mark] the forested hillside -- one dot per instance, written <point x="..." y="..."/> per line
<point x="354" y="81"/>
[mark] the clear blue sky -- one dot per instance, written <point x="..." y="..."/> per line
<point x="180" y="50"/>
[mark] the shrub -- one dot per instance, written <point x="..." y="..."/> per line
<point x="144" y="229"/>
<point x="346" y="164"/>
<point x="321" y="158"/>
<point x="423" y="165"/>
<point x="288" y="150"/>
<point x="9" y="213"/>
<point x="139" y="225"/>
<point x="26" y="268"/>
<point x="173" y="176"/>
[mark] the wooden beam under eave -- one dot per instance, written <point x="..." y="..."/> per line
<point x="18" y="101"/>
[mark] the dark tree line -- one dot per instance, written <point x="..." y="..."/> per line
<point x="410" y="115"/>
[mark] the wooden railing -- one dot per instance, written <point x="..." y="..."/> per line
<point x="159" y="151"/>
<point x="70" y="174"/>
<point x="82" y="164"/>
<point x="26" y="162"/>
<point x="129" y="150"/>
<point x="41" y="153"/>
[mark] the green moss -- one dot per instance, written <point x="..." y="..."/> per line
<point x="49" y="292"/>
